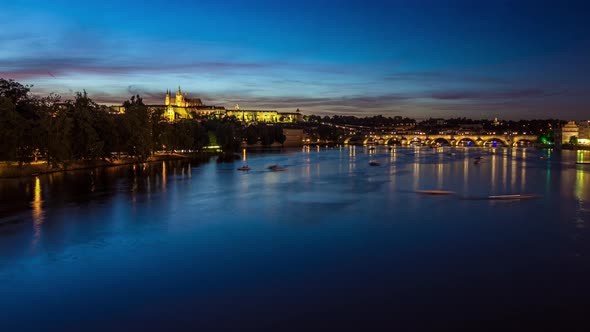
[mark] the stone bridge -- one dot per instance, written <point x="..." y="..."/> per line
<point x="452" y="140"/>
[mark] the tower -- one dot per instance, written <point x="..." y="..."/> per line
<point x="167" y="97"/>
<point x="179" y="98"/>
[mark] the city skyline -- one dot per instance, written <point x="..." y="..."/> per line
<point x="353" y="58"/>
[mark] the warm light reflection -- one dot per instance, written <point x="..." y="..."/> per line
<point x="134" y="187"/>
<point x="37" y="212"/>
<point x="513" y="168"/>
<point x="416" y="173"/>
<point x="493" y="181"/>
<point x="582" y="156"/>
<point x="579" y="187"/>
<point x="351" y="159"/>
<point x="244" y="155"/>
<point x="440" y="174"/>
<point x="523" y="171"/>
<point x="352" y="151"/>
<point x="504" y="169"/>
<point x="466" y="172"/>
<point x="163" y="176"/>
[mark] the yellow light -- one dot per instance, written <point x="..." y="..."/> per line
<point x="37" y="202"/>
<point x="37" y="214"/>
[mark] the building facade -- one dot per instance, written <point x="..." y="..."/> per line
<point x="181" y="100"/>
<point x="564" y="134"/>
<point x="584" y="132"/>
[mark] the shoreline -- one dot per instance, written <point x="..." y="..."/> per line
<point x="14" y="171"/>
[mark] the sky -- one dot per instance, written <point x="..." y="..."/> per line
<point x="421" y="59"/>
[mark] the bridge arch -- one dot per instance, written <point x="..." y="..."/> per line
<point x="394" y="141"/>
<point x="494" y="142"/>
<point x="415" y="141"/>
<point x="353" y="139"/>
<point x="466" y="141"/>
<point x="442" y="141"/>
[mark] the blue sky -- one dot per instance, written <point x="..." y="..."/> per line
<point x="420" y="59"/>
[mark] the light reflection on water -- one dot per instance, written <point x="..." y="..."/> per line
<point x="37" y="210"/>
<point x="329" y="230"/>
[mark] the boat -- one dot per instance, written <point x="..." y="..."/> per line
<point x="435" y="192"/>
<point x="244" y="168"/>
<point x="583" y="163"/>
<point x="543" y="158"/>
<point x="374" y="163"/>
<point x="276" y="168"/>
<point x="478" y="158"/>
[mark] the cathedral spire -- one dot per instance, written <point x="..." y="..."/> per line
<point x="179" y="92"/>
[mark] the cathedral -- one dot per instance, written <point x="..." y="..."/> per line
<point x="182" y="100"/>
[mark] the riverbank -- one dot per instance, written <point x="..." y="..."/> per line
<point x="11" y="170"/>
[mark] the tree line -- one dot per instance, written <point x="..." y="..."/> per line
<point x="60" y="131"/>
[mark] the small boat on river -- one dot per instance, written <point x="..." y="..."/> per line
<point x="374" y="163"/>
<point x="435" y="192"/>
<point x="244" y="168"/>
<point x="277" y="168"/>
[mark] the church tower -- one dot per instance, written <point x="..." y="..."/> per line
<point x="179" y="98"/>
<point x="167" y="97"/>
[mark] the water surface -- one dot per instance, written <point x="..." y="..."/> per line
<point x="331" y="243"/>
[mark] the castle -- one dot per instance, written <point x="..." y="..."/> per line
<point x="182" y="107"/>
<point x="181" y="100"/>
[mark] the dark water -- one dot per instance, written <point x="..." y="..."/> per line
<point x="329" y="244"/>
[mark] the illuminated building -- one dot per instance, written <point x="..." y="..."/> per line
<point x="584" y="132"/>
<point x="584" y="129"/>
<point x="182" y="107"/>
<point x="564" y="134"/>
<point x="181" y="100"/>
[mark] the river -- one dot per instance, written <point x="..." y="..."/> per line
<point x="329" y="244"/>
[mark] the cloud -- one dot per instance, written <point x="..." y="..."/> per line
<point x="441" y="77"/>
<point x="30" y="67"/>
<point x="494" y="95"/>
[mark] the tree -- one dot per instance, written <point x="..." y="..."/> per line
<point x="137" y="128"/>
<point x="86" y="143"/>
<point x="14" y="91"/>
<point x="158" y="128"/>
<point x="59" y="145"/>
<point x="574" y="140"/>
<point x="9" y="129"/>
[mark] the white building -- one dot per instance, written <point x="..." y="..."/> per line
<point x="565" y="133"/>
<point x="584" y="132"/>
